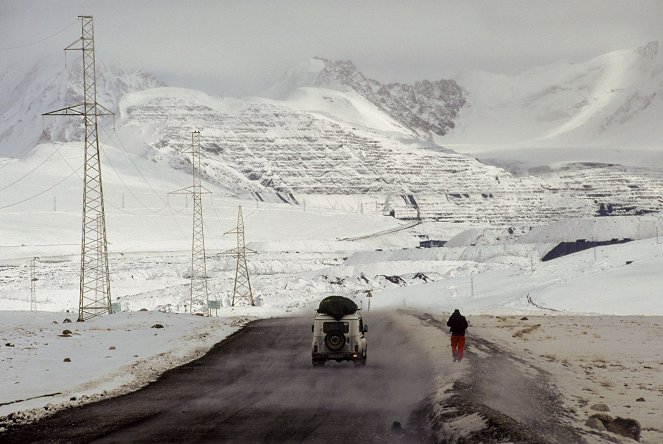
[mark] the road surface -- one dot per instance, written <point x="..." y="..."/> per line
<point x="259" y="385"/>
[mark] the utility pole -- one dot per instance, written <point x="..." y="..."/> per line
<point x="33" y="280"/>
<point x="95" y="295"/>
<point x="198" y="297"/>
<point x="242" y="289"/>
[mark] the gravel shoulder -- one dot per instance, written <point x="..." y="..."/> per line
<point x="539" y="379"/>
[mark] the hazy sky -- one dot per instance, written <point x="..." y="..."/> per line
<point x="243" y="47"/>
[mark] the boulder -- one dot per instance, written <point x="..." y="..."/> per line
<point x="625" y="427"/>
<point x="595" y="423"/>
<point x="600" y="408"/>
<point x="604" y="418"/>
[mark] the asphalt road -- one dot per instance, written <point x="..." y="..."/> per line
<point x="259" y="386"/>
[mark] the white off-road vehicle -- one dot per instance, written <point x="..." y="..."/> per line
<point x="338" y="332"/>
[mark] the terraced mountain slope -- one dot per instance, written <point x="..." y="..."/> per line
<point x="259" y="145"/>
<point x="335" y="138"/>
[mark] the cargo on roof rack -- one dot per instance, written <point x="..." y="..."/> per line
<point x="337" y="306"/>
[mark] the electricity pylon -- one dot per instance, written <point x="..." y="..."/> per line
<point x="95" y="295"/>
<point x="33" y="280"/>
<point x="242" y="290"/>
<point x="199" y="299"/>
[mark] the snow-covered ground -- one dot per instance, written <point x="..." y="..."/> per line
<point x="301" y="258"/>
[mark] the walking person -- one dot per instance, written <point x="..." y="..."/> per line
<point x="457" y="325"/>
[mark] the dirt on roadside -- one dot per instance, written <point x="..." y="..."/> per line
<point x="495" y="396"/>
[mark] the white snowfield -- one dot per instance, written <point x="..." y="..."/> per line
<point x="609" y="100"/>
<point x="593" y="307"/>
<point x="300" y="260"/>
<point x="603" y="109"/>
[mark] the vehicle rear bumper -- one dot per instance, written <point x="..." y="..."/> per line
<point x="345" y="356"/>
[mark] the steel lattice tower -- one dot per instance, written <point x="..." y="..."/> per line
<point x="242" y="290"/>
<point x="95" y="295"/>
<point x="199" y="298"/>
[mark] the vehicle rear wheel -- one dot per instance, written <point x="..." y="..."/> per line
<point x="335" y="340"/>
<point x="318" y="362"/>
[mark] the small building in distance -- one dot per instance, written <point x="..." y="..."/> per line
<point x="430" y="243"/>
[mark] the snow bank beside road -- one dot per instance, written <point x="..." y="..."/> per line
<point x="106" y="356"/>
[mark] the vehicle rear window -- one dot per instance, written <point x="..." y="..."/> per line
<point x="343" y="327"/>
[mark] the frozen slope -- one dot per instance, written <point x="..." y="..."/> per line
<point x="424" y="108"/>
<point x="30" y="88"/>
<point x="577" y="283"/>
<point x="612" y="101"/>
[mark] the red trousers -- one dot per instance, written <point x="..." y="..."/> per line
<point x="457" y="346"/>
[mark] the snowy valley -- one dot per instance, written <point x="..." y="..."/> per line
<point x="340" y="179"/>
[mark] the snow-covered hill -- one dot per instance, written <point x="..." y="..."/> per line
<point x="31" y="88"/>
<point x="425" y="108"/>
<point x="614" y="100"/>
<point x="328" y="133"/>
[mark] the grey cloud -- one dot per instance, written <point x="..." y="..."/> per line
<point x="241" y="47"/>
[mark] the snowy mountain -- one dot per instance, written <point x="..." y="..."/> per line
<point x="425" y="108"/>
<point x="614" y="100"/>
<point x="30" y="88"/>
<point x="260" y="145"/>
<point x="331" y="136"/>
<point x="254" y="144"/>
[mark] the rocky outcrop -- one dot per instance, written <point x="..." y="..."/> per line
<point x="627" y="427"/>
<point x="426" y="107"/>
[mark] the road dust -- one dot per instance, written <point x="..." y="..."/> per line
<point x="259" y="385"/>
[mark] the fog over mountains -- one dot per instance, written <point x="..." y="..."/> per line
<point x="615" y="99"/>
<point x="324" y="129"/>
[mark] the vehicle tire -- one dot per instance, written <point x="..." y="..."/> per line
<point x="335" y="340"/>
<point x="363" y="359"/>
<point x="318" y="362"/>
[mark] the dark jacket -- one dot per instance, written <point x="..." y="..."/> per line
<point x="457" y="324"/>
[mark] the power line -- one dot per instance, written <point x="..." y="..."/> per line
<point x="40" y="193"/>
<point x="140" y="173"/>
<point x="34" y="169"/>
<point x="25" y="45"/>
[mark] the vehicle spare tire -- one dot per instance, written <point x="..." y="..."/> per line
<point x="335" y="340"/>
